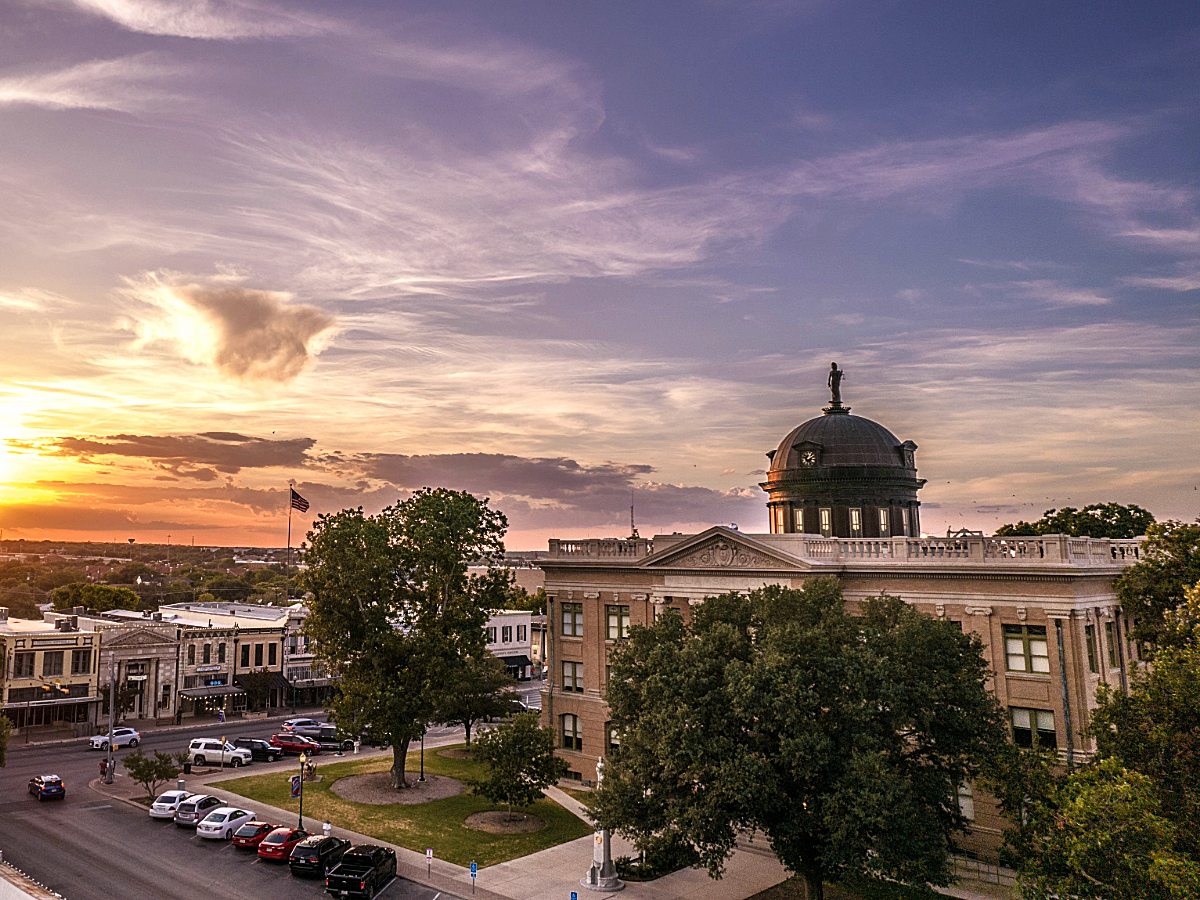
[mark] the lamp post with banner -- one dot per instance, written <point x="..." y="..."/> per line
<point x="303" y="760"/>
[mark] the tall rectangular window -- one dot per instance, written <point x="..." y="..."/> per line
<point x="572" y="733"/>
<point x="246" y="655"/>
<point x="776" y="520"/>
<point x="614" y="736"/>
<point x="522" y="634"/>
<point x="52" y="662"/>
<point x="573" y="677"/>
<point x="856" y="523"/>
<point x="207" y="654"/>
<point x="191" y="654"/>
<point x="884" y="524"/>
<point x="81" y="662"/>
<point x="272" y="653"/>
<point x="1034" y="728"/>
<point x="258" y="655"/>
<point x="798" y="520"/>
<point x="1110" y="638"/>
<point x="572" y="620"/>
<point x="826" y="522"/>
<point x="491" y="634"/>
<point x="1025" y="648"/>
<point x="1089" y="638"/>
<point x="220" y="653"/>
<point x="618" y="622"/>
<point x="506" y="634"/>
<point x="23" y="665"/>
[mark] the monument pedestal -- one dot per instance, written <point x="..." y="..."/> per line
<point x="602" y="876"/>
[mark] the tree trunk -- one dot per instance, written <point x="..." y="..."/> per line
<point x="399" y="755"/>
<point x="467" y="724"/>
<point x="814" y="886"/>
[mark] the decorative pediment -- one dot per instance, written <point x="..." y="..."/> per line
<point x="721" y="548"/>
<point x="138" y="638"/>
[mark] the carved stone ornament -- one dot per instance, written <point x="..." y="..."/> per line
<point x="941" y="610"/>
<point x="1022" y="613"/>
<point x="591" y="595"/>
<point x="723" y="554"/>
<point x="977" y="610"/>
<point x="637" y="596"/>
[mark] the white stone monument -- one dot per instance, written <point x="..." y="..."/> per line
<point x="602" y="876"/>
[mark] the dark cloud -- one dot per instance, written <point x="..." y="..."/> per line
<point x="71" y="517"/>
<point x="550" y="478"/>
<point x="198" y="456"/>
<point x="257" y="336"/>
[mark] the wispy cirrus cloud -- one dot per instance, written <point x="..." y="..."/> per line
<point x="124" y="84"/>
<point x="202" y="19"/>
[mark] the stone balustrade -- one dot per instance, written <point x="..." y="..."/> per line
<point x="1054" y="549"/>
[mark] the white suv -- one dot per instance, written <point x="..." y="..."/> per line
<point x="120" y="738"/>
<point x="210" y="752"/>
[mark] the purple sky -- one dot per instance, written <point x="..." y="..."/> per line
<point x="561" y="253"/>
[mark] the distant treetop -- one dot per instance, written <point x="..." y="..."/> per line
<point x="1098" y="520"/>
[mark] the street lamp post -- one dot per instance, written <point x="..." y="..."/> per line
<point x="112" y="711"/>
<point x="303" y="760"/>
<point x="422" y="778"/>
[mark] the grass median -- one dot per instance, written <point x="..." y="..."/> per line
<point x="437" y="824"/>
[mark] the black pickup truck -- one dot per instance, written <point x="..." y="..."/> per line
<point x="363" y="872"/>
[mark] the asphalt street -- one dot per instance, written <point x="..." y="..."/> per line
<point x="91" y="847"/>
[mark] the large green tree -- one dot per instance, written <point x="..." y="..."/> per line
<point x="394" y="612"/>
<point x="843" y="739"/>
<point x="1098" y="520"/>
<point x="1154" y="585"/>
<point x="521" y="762"/>
<point x="482" y="689"/>
<point x="98" y="597"/>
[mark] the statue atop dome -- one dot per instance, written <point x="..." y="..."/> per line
<point x="835" y="391"/>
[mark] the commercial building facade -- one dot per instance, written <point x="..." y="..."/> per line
<point x="49" y="676"/>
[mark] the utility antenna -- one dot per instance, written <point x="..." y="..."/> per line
<point x="633" y="532"/>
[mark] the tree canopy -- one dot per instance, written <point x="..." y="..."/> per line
<point x="1098" y="520"/>
<point x="98" y="597"/>
<point x="521" y="761"/>
<point x="394" y="612"/>
<point x="481" y="689"/>
<point x="844" y="739"/>
<point x="1154" y="585"/>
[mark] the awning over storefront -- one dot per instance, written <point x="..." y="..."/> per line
<point x="275" y="681"/>
<point x="515" y="662"/>
<point x="59" y="701"/>
<point x="212" y="690"/>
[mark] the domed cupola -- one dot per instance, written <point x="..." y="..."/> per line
<point x="843" y="476"/>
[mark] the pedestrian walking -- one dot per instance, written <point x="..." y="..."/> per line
<point x="104" y="768"/>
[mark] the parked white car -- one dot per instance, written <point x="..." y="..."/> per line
<point x="223" y="822"/>
<point x="121" y="737"/>
<point x="167" y="804"/>
<point x="214" y="752"/>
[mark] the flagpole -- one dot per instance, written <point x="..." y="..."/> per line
<point x="287" y="566"/>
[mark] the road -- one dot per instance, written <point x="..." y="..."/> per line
<point x="90" y="847"/>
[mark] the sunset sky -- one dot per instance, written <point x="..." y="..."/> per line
<point x="564" y="253"/>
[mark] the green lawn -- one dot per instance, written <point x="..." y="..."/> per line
<point x="438" y="824"/>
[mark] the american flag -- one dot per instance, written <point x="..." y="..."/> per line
<point x="298" y="502"/>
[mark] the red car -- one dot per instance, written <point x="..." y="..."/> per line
<point x="252" y="833"/>
<point x="295" y="743"/>
<point x="279" y="843"/>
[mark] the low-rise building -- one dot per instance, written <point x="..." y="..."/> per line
<point x="49" y="676"/>
<point x="508" y="639"/>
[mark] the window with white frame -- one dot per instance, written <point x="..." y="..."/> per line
<point x="572" y="733"/>
<point x="618" y="622"/>
<point x="506" y="634"/>
<point x="826" y="522"/>
<point x="522" y="633"/>
<point x="798" y="520"/>
<point x="1033" y="728"/>
<point x="1025" y="648"/>
<point x="572" y="620"/>
<point x="491" y="634"/>
<point x="856" y="523"/>
<point x="884" y="524"/>
<point x="573" y="677"/>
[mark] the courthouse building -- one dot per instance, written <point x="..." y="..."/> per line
<point x="842" y="500"/>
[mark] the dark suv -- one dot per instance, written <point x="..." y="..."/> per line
<point x="316" y="855"/>
<point x="259" y="749"/>
<point x="328" y="738"/>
